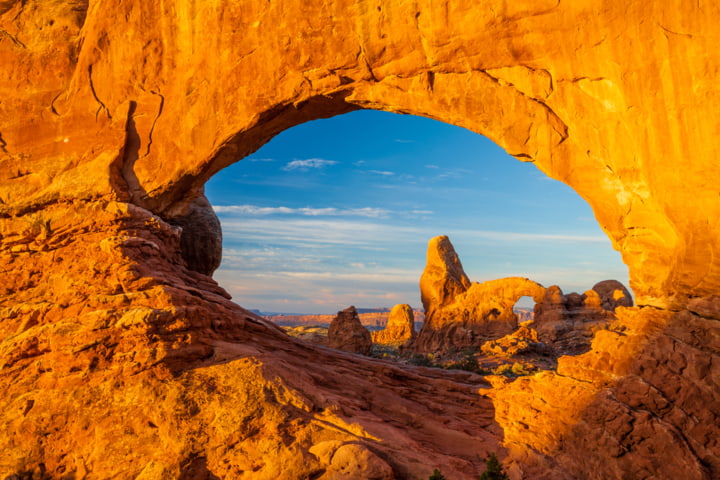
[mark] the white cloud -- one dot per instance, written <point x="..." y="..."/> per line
<point x="434" y="167"/>
<point x="402" y="140"/>
<point x="308" y="163"/>
<point x="382" y="172"/>
<point x="253" y="210"/>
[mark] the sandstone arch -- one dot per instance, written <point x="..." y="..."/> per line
<point x="460" y="313"/>
<point x="122" y="110"/>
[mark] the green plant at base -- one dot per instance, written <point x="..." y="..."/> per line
<point x="493" y="469"/>
<point x="421" y="360"/>
<point x="436" y="475"/>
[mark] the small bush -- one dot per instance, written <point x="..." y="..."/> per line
<point x="519" y="369"/>
<point x="436" y="475"/>
<point x="493" y="469"/>
<point x="421" y="360"/>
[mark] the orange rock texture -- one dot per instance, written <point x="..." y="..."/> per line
<point x="347" y="333"/>
<point x="569" y="322"/>
<point x="400" y="326"/>
<point x="120" y="357"/>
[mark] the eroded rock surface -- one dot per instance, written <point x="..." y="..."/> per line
<point x="115" y="114"/>
<point x="400" y="327"/>
<point x="569" y="322"/>
<point x="348" y="334"/>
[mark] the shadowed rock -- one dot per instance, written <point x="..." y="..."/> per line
<point x="569" y="322"/>
<point x="348" y="334"/>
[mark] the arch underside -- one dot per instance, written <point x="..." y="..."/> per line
<point x="103" y="165"/>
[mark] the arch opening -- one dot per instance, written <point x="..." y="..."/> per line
<point x="342" y="209"/>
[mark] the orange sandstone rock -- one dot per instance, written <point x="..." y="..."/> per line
<point x="347" y="333"/>
<point x="400" y="327"/>
<point x="459" y="313"/>
<point x="568" y="322"/>
<point x="121" y="358"/>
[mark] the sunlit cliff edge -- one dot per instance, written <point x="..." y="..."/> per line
<point x="121" y="357"/>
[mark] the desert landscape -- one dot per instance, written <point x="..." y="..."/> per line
<point x="121" y="357"/>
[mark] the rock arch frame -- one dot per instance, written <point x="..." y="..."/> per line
<point x="122" y="110"/>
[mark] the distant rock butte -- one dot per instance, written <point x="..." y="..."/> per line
<point x="120" y="357"/>
<point x="400" y="326"/>
<point x="347" y="333"/>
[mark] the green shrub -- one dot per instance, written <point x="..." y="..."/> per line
<point x="421" y="360"/>
<point x="519" y="369"/>
<point x="493" y="469"/>
<point x="436" y="475"/>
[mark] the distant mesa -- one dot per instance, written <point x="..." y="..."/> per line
<point x="400" y="327"/>
<point x="373" y="318"/>
<point x="348" y="334"/>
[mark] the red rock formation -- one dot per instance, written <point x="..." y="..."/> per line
<point x="347" y="333"/>
<point x="569" y="322"/>
<point x="521" y="341"/>
<point x="612" y="294"/>
<point x="400" y="326"/>
<point x="459" y="313"/>
<point x="113" y="342"/>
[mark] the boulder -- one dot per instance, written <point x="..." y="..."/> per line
<point x="348" y="334"/>
<point x="400" y="326"/>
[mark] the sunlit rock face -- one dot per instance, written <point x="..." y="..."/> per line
<point x="459" y="313"/>
<point x="121" y="358"/>
<point x="400" y="326"/>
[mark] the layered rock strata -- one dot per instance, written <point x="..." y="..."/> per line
<point x="114" y="341"/>
<point x="400" y="327"/>
<point x="348" y="334"/>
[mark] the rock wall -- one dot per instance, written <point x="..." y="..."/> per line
<point x="120" y="357"/>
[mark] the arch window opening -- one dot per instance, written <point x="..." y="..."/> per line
<point x="339" y="212"/>
<point x="524" y="309"/>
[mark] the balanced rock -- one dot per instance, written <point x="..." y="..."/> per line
<point x="459" y="313"/>
<point x="348" y="334"/>
<point x="400" y="326"/>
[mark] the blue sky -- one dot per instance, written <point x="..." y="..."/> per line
<point x="338" y="212"/>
